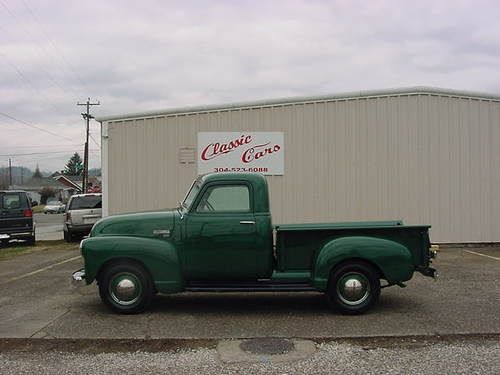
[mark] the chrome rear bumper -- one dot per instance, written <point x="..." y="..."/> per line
<point x="431" y="272"/>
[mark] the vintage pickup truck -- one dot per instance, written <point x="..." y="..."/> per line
<point x="221" y="239"/>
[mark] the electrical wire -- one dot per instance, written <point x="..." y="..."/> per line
<point x="37" y="146"/>
<point x="97" y="144"/>
<point x="41" y="47"/>
<point x="30" y="83"/>
<point x="44" y="153"/>
<point x="54" y="46"/>
<point x="34" y="126"/>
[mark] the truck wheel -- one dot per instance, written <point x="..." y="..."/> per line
<point x="353" y="288"/>
<point x="126" y="288"/>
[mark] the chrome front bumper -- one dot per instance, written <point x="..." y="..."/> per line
<point x="78" y="278"/>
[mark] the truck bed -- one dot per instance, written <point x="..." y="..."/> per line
<point x="297" y="244"/>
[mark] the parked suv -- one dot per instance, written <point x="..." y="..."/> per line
<point x="16" y="217"/>
<point x="82" y="211"/>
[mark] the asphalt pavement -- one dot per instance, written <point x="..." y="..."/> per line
<point x="37" y="301"/>
<point x="48" y="226"/>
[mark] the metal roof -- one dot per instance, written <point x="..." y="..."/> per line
<point x="417" y="90"/>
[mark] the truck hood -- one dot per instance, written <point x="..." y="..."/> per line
<point x="143" y="224"/>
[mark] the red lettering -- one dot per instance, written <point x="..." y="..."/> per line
<point x="258" y="151"/>
<point x="216" y="149"/>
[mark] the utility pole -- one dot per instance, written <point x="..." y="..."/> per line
<point x="10" y="173"/>
<point x="87" y="116"/>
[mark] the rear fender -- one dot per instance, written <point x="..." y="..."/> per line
<point x="160" y="258"/>
<point x="392" y="259"/>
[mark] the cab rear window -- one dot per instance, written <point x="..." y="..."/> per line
<point x="87" y="202"/>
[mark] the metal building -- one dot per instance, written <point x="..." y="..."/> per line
<point x="423" y="155"/>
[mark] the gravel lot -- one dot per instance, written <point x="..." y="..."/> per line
<point x="462" y="357"/>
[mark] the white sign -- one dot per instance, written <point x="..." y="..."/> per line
<point x="261" y="152"/>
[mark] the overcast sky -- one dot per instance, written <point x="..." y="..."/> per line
<point x="145" y="55"/>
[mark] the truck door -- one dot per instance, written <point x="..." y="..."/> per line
<point x="221" y="238"/>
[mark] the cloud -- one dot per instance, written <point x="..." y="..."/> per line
<point x="135" y="56"/>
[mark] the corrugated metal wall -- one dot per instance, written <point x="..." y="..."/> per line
<point x="426" y="159"/>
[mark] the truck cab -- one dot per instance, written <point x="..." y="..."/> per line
<point x="221" y="238"/>
<point x="227" y="221"/>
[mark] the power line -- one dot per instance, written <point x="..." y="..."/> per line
<point x="39" y="45"/>
<point x="34" y="126"/>
<point x="37" y="146"/>
<point x="30" y="83"/>
<point x="54" y="46"/>
<point x="45" y="153"/>
<point x="97" y="144"/>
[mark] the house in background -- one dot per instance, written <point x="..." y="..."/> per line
<point x="74" y="184"/>
<point x="36" y="184"/>
<point x="63" y="186"/>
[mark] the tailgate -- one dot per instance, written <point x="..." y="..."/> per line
<point x="82" y="217"/>
<point x="91" y="218"/>
<point x="420" y="248"/>
<point x="424" y="253"/>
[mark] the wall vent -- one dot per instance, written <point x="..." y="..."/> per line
<point x="186" y="155"/>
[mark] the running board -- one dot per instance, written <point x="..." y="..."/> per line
<point x="250" y="287"/>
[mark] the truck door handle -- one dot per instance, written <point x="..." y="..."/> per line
<point x="247" y="222"/>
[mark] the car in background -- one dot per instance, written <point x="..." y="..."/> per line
<point x="16" y="217"/>
<point x="54" y="207"/>
<point x="82" y="212"/>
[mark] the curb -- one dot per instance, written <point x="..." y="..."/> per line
<point x="104" y="345"/>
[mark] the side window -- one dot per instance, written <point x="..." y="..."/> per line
<point x="11" y="201"/>
<point x="225" y="199"/>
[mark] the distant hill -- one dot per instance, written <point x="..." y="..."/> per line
<point x="19" y="175"/>
<point x="23" y="174"/>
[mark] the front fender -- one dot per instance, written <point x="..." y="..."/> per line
<point x="393" y="259"/>
<point x="160" y="258"/>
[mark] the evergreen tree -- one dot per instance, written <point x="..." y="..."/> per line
<point x="74" y="166"/>
<point x="37" y="173"/>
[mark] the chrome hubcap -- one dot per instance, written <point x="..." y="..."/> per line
<point x="353" y="288"/>
<point x="125" y="289"/>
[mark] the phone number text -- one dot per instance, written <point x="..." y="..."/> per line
<point x="238" y="169"/>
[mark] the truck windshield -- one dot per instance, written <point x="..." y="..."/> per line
<point x="193" y="191"/>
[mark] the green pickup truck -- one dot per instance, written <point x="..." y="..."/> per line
<point x="221" y="239"/>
